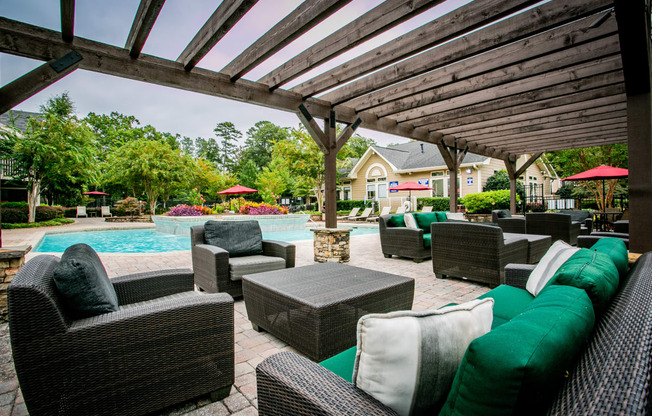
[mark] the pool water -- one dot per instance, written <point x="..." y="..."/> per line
<point x="151" y="241"/>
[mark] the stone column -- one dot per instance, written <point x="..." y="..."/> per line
<point x="11" y="260"/>
<point x="332" y="244"/>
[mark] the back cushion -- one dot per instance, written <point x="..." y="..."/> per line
<point x="239" y="238"/>
<point x="503" y="213"/>
<point x="546" y="268"/>
<point x="441" y="216"/>
<point x="425" y="219"/>
<point x="396" y="221"/>
<point x="616" y="250"/>
<point x="410" y="221"/>
<point x="83" y="284"/>
<point x="592" y="271"/>
<point x="517" y="368"/>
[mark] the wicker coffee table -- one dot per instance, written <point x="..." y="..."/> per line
<point x="315" y="308"/>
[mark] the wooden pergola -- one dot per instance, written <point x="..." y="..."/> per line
<point x="499" y="78"/>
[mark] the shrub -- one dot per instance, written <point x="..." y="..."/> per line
<point x="535" y="207"/>
<point x="485" y="202"/>
<point x="349" y="205"/>
<point x="14" y="215"/>
<point x="50" y="223"/>
<point x="262" y="208"/>
<point x="128" y="206"/>
<point x="19" y="214"/>
<point x="15" y="205"/>
<point x="184" y="211"/>
<point x="500" y="181"/>
<point x="195" y="197"/>
<point x="218" y="208"/>
<point x="46" y="213"/>
<point x="438" y="203"/>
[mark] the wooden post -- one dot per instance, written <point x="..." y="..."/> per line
<point x="453" y="158"/>
<point x="510" y="166"/>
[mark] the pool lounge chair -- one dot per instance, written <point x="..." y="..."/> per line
<point x="351" y="215"/>
<point x="400" y="210"/>
<point x="106" y="211"/>
<point x="384" y="211"/>
<point x="81" y="212"/>
<point x="365" y="214"/>
<point x="427" y="208"/>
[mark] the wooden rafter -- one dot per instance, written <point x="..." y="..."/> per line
<point x="227" y="14"/>
<point x="379" y="19"/>
<point x="67" y="20"/>
<point x="302" y="19"/>
<point x="148" y="11"/>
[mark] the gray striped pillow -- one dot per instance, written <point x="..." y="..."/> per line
<point x="408" y="359"/>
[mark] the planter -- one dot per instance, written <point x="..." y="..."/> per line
<point x="137" y="218"/>
<point x="478" y="217"/>
<point x="268" y="223"/>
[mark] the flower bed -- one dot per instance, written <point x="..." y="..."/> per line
<point x="189" y="211"/>
<point x="253" y="208"/>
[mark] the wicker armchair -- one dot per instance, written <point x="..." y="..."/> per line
<point x="585" y="218"/>
<point x="476" y="251"/>
<point x="402" y="241"/>
<point x="509" y="224"/>
<point x="558" y="226"/>
<point x="144" y="357"/>
<point x="216" y="272"/>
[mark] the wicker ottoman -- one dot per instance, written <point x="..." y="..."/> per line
<point x="537" y="245"/>
<point x="315" y="308"/>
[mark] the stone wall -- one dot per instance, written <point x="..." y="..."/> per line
<point x="332" y="245"/>
<point x="11" y="260"/>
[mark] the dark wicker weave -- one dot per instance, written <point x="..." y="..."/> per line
<point x="316" y="308"/>
<point x="402" y="241"/>
<point x="621" y="226"/>
<point x="537" y="245"/>
<point x="585" y="218"/>
<point x="611" y="376"/>
<point x="129" y="362"/>
<point x="211" y="263"/>
<point x="476" y="251"/>
<point x="509" y="224"/>
<point x="587" y="241"/>
<point x="559" y="226"/>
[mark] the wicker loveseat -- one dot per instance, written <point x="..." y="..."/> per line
<point x="399" y="240"/>
<point x="509" y="224"/>
<point x="559" y="226"/>
<point x="585" y="218"/>
<point x="166" y="344"/>
<point x="609" y="376"/>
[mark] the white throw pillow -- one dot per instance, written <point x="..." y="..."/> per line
<point x="556" y="255"/>
<point x="458" y="216"/>
<point x="408" y="359"/>
<point x="410" y="222"/>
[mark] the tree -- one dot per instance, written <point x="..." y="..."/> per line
<point x="187" y="145"/>
<point x="275" y="177"/>
<point x="55" y="149"/>
<point x="207" y="179"/>
<point x="147" y="166"/>
<point x="248" y="174"/>
<point x="260" y="142"/>
<point x="356" y="146"/>
<point x="573" y="161"/>
<point x="208" y="149"/>
<point x="112" y="131"/>
<point x="227" y="147"/>
<point x="500" y="180"/>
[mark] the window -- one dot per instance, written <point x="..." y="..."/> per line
<point x="371" y="192"/>
<point x="346" y="193"/>
<point x="371" y="180"/>
<point x="382" y="190"/>
<point x="438" y="184"/>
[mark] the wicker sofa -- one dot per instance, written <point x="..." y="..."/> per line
<point x="509" y="224"/>
<point x="585" y="218"/>
<point x="559" y="226"/>
<point x="149" y="354"/>
<point x="398" y="240"/>
<point x="610" y="375"/>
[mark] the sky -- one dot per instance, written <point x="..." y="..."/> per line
<point x="178" y="111"/>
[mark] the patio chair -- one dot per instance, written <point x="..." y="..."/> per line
<point x="400" y="210"/>
<point x="106" y="211"/>
<point x="585" y="218"/>
<point x="165" y="345"/>
<point x="509" y="224"/>
<point x="474" y="251"/>
<point x="427" y="208"/>
<point x="384" y="211"/>
<point x="81" y="212"/>
<point x="365" y="214"/>
<point x="559" y="226"/>
<point x="351" y="215"/>
<point x="220" y="269"/>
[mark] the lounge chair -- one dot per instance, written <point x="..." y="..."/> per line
<point x="427" y="208"/>
<point x="81" y="212"/>
<point x="400" y="210"/>
<point x="351" y="215"/>
<point x="364" y="215"/>
<point x="106" y="211"/>
<point x="384" y="211"/>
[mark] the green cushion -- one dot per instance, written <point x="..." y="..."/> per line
<point x="427" y="240"/>
<point x="509" y="302"/>
<point x="425" y="219"/>
<point x="342" y="364"/>
<point x="441" y="216"/>
<point x="396" y="221"/>
<point x="592" y="271"/>
<point x="83" y="284"/>
<point x="616" y="250"/>
<point x="239" y="238"/>
<point x="517" y="367"/>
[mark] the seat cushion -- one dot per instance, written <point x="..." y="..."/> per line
<point x="516" y="368"/>
<point x="83" y="284"/>
<point x="342" y="364"/>
<point x="425" y="219"/>
<point x="592" y="271"/>
<point x="396" y="221"/>
<point x="407" y="359"/>
<point x="174" y="296"/>
<point x="509" y="302"/>
<point x="239" y="238"/>
<point x="239" y="266"/>
<point x="616" y="250"/>
<point x="427" y="240"/>
<point x="554" y="258"/>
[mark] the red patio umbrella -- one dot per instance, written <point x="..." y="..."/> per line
<point x="410" y="186"/>
<point x="236" y="190"/>
<point x="601" y="172"/>
<point x="96" y="193"/>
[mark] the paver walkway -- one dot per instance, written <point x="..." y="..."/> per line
<point x="251" y="347"/>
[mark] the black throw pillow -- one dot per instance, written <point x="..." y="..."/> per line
<point x="83" y="284"/>
<point x="239" y="238"/>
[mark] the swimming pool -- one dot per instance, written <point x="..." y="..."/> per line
<point x="150" y="240"/>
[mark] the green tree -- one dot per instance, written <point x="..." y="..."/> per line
<point x="228" y="145"/>
<point x="148" y="167"/>
<point x="573" y="161"/>
<point x="500" y="180"/>
<point x="187" y="145"/>
<point x="112" y="131"/>
<point x="275" y="177"/>
<point x="208" y="149"/>
<point x="56" y="148"/>
<point x="248" y="174"/>
<point x="260" y="142"/>
<point x="356" y="146"/>
<point x="207" y="179"/>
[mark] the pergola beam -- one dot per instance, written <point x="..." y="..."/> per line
<point x="433" y="33"/>
<point x="227" y="14"/>
<point x="556" y="131"/>
<point x="513" y="173"/>
<point x="67" y="20"/>
<point x="379" y="19"/>
<point x="295" y="24"/>
<point x="148" y="11"/>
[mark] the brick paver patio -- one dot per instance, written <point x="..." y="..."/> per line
<point x="251" y="347"/>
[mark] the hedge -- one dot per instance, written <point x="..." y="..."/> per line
<point x="349" y="205"/>
<point x="485" y="202"/>
<point x="20" y="215"/>
<point x="437" y="204"/>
